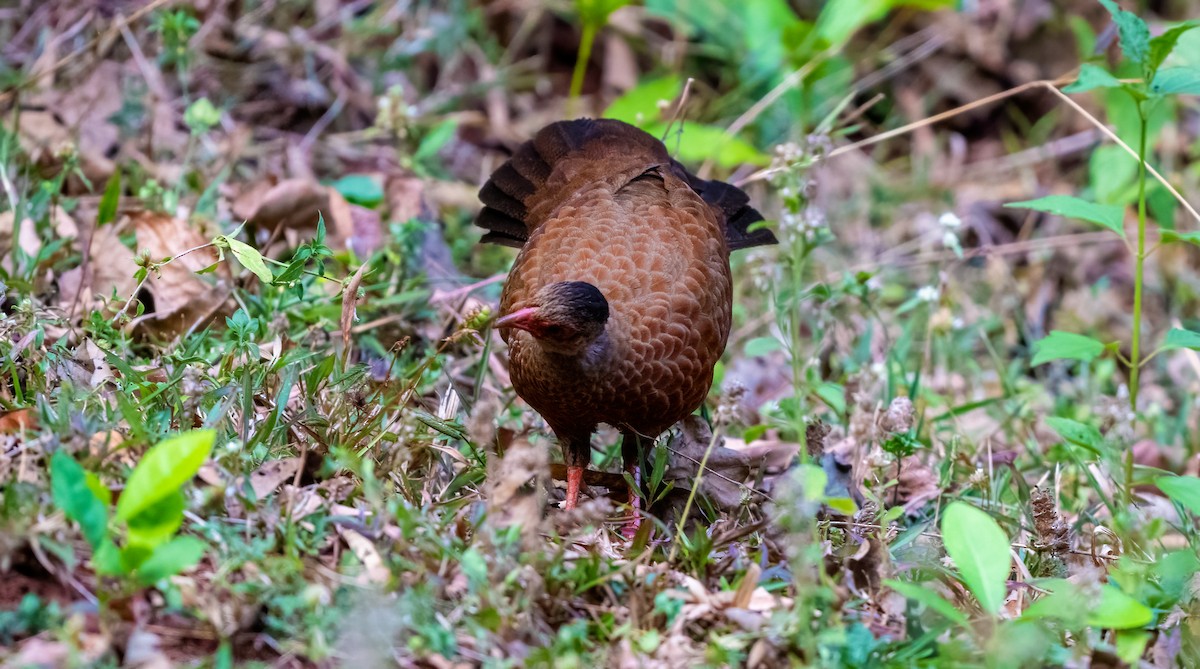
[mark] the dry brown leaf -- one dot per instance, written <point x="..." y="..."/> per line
<point x="350" y="303"/>
<point x="110" y="270"/>
<point x="917" y="483"/>
<point x="517" y="489"/>
<point x="291" y="203"/>
<point x="375" y="571"/>
<point x="725" y="477"/>
<point x="182" y="298"/>
<point x="18" y="421"/>
<point x="272" y="474"/>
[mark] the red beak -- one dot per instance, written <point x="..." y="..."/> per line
<point x="521" y="319"/>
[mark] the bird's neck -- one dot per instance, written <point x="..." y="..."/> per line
<point x="590" y="356"/>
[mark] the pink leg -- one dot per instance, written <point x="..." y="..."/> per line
<point x="629" y="530"/>
<point x="574" y="480"/>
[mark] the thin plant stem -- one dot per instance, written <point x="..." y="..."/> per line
<point x="581" y="61"/>
<point x="1135" y="357"/>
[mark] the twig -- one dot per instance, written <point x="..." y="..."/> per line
<point x="141" y="283"/>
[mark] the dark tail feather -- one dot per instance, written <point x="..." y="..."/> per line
<point x="735" y="204"/>
<point x="505" y="214"/>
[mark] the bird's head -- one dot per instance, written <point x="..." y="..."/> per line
<point x="564" y="317"/>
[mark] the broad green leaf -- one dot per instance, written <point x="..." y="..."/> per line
<point x="106" y="559"/>
<point x="761" y="346"/>
<point x="158" y="522"/>
<point x="1171" y="236"/>
<point x="812" y="480"/>
<point x="1131" y="644"/>
<point x="1059" y="345"/>
<point x="435" y="140"/>
<point x="1184" y="490"/>
<point x="1177" y="81"/>
<point x="250" y="258"/>
<point x="840" y="20"/>
<point x="980" y="550"/>
<point x="98" y="488"/>
<point x="1107" y="215"/>
<point x="71" y="492"/>
<point x="1090" y="77"/>
<point x="931" y="599"/>
<point x="360" y="189"/>
<point x="640" y="104"/>
<point x="170" y="558"/>
<point x="1074" y="605"/>
<point x="107" y="212"/>
<point x="1117" y="610"/>
<point x="1164" y="44"/>
<point x="1135" y="36"/>
<point x="164" y="469"/>
<point x="596" y="12"/>
<point x="475" y="567"/>
<point x="834" y="395"/>
<point x="1080" y="434"/>
<point x="843" y="505"/>
<point x="1178" y="338"/>
<point x="699" y="143"/>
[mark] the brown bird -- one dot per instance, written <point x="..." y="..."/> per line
<point x="618" y="305"/>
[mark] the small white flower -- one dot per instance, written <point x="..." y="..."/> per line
<point x="928" y="294"/>
<point x="949" y="220"/>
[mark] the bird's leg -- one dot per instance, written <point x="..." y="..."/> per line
<point x="577" y="451"/>
<point x="633" y="452"/>
<point x="574" y="479"/>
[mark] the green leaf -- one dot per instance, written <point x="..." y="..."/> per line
<point x="1107" y="608"/>
<point x="107" y="212"/>
<point x="71" y="492"/>
<point x="699" y="143"/>
<point x="1178" y="338"/>
<point x="158" y="522"/>
<point x="1183" y="490"/>
<point x="250" y="258"/>
<point x="1080" y="434"/>
<point x="170" y="558"/>
<point x="1164" y="44"/>
<point x="640" y="104"/>
<point x="812" y="480"/>
<point x="931" y="599"/>
<point x="838" y="21"/>
<point x="435" y="139"/>
<point x="1135" y="36"/>
<point x="1090" y="77"/>
<point x="201" y="115"/>
<point x="164" y="469"/>
<point x="980" y="550"/>
<point x="1117" y="610"/>
<point x="1107" y="215"/>
<point x="1172" y="236"/>
<point x="1178" y="81"/>
<point x="1059" y="345"/>
<point x="360" y="189"/>
<point x="761" y="346"/>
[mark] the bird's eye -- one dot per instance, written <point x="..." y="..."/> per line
<point x="553" y="330"/>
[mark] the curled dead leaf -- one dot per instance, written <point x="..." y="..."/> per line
<point x="182" y="298"/>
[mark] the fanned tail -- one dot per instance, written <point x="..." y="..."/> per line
<point x="512" y="195"/>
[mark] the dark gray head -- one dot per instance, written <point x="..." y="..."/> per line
<point x="563" y="317"/>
